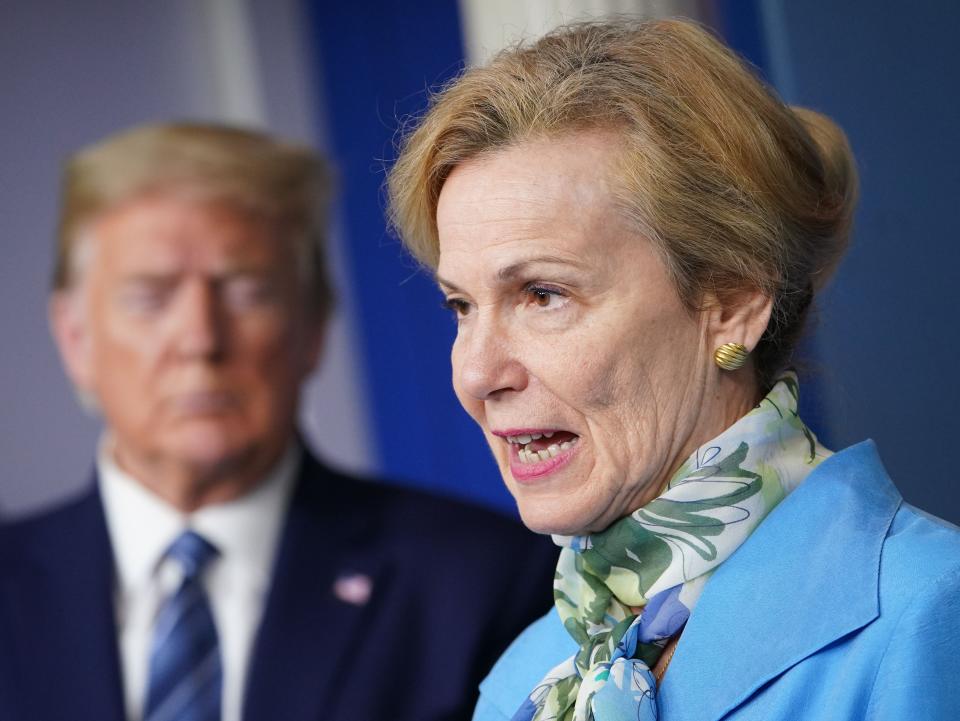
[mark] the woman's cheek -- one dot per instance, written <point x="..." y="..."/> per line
<point x="549" y="321"/>
<point x="471" y="405"/>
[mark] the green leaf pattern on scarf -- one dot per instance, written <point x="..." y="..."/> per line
<point x="708" y="508"/>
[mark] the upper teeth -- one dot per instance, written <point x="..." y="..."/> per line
<point x="525" y="439"/>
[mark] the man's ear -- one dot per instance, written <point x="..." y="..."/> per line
<point x="316" y="325"/>
<point x="71" y="333"/>
<point x="316" y="343"/>
<point x="738" y="318"/>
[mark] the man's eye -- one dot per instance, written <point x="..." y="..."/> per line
<point x="458" y="306"/>
<point x="246" y="292"/>
<point x="544" y="296"/>
<point x="144" y="298"/>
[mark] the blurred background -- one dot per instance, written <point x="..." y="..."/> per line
<point x="880" y="362"/>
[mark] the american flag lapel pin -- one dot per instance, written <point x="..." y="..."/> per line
<point x="353" y="588"/>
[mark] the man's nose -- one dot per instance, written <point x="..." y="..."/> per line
<point x="485" y="364"/>
<point x="198" y="327"/>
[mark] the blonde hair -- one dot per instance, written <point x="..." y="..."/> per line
<point x="286" y="185"/>
<point x="737" y="190"/>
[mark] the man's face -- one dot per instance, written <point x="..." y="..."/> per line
<point x="188" y="326"/>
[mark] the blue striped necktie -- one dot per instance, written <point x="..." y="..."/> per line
<point x="186" y="675"/>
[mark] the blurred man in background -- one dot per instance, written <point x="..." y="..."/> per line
<point x="215" y="569"/>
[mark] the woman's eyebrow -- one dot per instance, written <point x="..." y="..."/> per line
<point x="512" y="271"/>
<point x="446" y="285"/>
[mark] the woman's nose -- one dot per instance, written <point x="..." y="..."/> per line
<point x="485" y="364"/>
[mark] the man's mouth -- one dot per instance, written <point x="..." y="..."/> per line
<point x="204" y="402"/>
<point x="539" y="446"/>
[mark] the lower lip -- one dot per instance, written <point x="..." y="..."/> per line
<point x="203" y="403"/>
<point x="532" y="472"/>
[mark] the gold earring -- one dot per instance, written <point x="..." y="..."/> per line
<point x="731" y="356"/>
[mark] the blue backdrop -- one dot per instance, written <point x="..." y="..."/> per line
<point x="378" y="62"/>
<point x="888" y="338"/>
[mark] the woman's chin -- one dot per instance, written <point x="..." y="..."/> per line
<point x="552" y="517"/>
<point x="559" y="503"/>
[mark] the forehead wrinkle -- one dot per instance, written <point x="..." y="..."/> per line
<point x="508" y="207"/>
<point x="530" y="219"/>
<point x="539" y="229"/>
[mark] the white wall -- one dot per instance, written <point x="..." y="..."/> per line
<point x="490" y="25"/>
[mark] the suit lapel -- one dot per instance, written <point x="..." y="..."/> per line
<point x="64" y="628"/>
<point x="307" y="631"/>
<point x="767" y="597"/>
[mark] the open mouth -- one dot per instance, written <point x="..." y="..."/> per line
<point x="536" y="447"/>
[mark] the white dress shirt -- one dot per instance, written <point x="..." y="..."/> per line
<point x="246" y="532"/>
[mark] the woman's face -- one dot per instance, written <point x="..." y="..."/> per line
<point x="590" y="379"/>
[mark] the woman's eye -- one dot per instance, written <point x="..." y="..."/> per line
<point x="545" y="296"/>
<point x="458" y="306"/>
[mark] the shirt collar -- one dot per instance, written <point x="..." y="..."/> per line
<point x="245" y="530"/>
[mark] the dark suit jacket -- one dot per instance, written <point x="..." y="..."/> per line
<point x="452" y="586"/>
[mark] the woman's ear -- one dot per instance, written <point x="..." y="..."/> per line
<point x="738" y="318"/>
<point x="70" y="331"/>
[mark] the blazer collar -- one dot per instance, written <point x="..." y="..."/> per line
<point x="822" y="543"/>
<point x="307" y="631"/>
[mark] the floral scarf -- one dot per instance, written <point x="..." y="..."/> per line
<point x="624" y="592"/>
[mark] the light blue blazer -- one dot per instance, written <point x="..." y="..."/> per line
<point x="844" y="604"/>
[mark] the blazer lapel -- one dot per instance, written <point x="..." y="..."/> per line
<point x="64" y="633"/>
<point x="309" y="628"/>
<point x="766" y="597"/>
